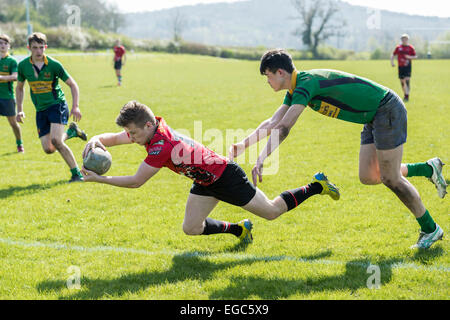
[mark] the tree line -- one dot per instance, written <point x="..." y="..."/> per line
<point x="96" y="14"/>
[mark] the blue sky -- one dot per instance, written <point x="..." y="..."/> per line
<point x="439" y="8"/>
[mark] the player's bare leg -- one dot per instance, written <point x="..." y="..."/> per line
<point x="17" y="132"/>
<point x="119" y="77"/>
<point x="268" y="209"/>
<point x="197" y="210"/>
<point x="57" y="138"/>
<point x="385" y="166"/>
<point x="389" y="162"/>
<point x="15" y="127"/>
<point x="54" y="141"/>
<point x="47" y="145"/>
<point x="265" y="208"/>
<point x="196" y="221"/>
<point x="405" y="87"/>
<point x="369" y="169"/>
<point x="408" y="85"/>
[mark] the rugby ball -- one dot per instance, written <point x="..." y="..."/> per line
<point x="97" y="160"/>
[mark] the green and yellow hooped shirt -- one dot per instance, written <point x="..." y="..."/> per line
<point x="8" y="65"/>
<point x="44" y="87"/>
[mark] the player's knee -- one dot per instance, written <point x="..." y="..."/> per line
<point x="12" y="122"/>
<point x="192" y="230"/>
<point x="368" y="180"/>
<point x="272" y="214"/>
<point x="48" y="149"/>
<point x="388" y="181"/>
<point x="57" y="143"/>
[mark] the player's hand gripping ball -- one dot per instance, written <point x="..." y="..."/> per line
<point x="97" y="160"/>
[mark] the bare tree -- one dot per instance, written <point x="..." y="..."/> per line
<point x="178" y="24"/>
<point x="316" y="22"/>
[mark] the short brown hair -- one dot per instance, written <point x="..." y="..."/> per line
<point x="137" y="113"/>
<point x="37" y="37"/>
<point x="276" y="59"/>
<point x="5" y="38"/>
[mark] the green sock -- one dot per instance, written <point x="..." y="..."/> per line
<point x="421" y="169"/>
<point x="76" y="172"/>
<point x="19" y="142"/>
<point x="71" y="133"/>
<point x="426" y="223"/>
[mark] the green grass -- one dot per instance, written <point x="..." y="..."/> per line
<point x="129" y="244"/>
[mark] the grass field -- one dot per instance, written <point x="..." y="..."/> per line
<point x="129" y="244"/>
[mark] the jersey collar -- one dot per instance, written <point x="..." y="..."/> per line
<point x="6" y="55"/>
<point x="45" y="60"/>
<point x="293" y="81"/>
<point x="159" y="129"/>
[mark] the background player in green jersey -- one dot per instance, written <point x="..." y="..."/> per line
<point x="351" y="98"/>
<point x="52" y="113"/>
<point x="8" y="74"/>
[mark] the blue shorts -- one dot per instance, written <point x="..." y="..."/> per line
<point x="57" y="113"/>
<point x="7" y="107"/>
<point x="118" y="64"/>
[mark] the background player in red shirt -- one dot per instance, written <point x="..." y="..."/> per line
<point x="215" y="177"/>
<point x="405" y="53"/>
<point x="119" y="60"/>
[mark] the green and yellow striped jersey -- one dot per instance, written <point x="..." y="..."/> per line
<point x="44" y="87"/>
<point x="8" y="65"/>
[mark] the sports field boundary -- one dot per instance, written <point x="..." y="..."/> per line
<point x="227" y="255"/>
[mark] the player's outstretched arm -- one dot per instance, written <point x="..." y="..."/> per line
<point x="143" y="174"/>
<point x="278" y="135"/>
<point x="106" y="140"/>
<point x="262" y="131"/>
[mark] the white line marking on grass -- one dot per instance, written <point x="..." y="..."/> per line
<point x="195" y="254"/>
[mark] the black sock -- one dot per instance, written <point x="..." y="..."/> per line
<point x="215" y="226"/>
<point x="296" y="196"/>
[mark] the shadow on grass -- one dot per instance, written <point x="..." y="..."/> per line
<point x="355" y="277"/>
<point x="30" y="189"/>
<point x="238" y="247"/>
<point x="426" y="256"/>
<point x="8" y="154"/>
<point x="187" y="266"/>
<point x="197" y="266"/>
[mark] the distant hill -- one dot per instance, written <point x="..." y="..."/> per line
<point x="270" y="23"/>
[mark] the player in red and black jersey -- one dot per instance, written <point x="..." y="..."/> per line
<point x="215" y="178"/>
<point x="405" y="53"/>
<point x="119" y="60"/>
